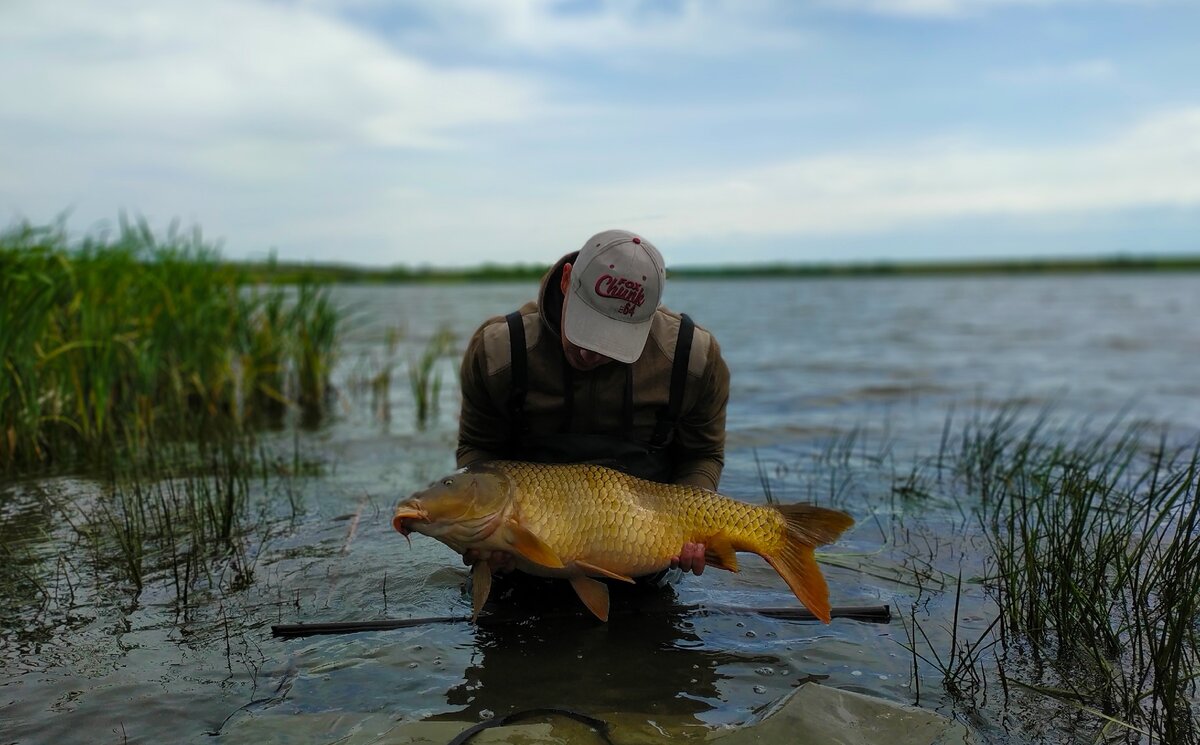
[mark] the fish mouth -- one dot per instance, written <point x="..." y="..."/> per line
<point x="405" y="517"/>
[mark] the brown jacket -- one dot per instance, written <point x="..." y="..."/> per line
<point x="485" y="428"/>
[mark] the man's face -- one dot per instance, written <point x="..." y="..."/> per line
<point x="577" y="357"/>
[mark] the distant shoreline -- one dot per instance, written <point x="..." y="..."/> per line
<point x="288" y="273"/>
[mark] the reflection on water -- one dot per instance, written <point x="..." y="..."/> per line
<point x="646" y="659"/>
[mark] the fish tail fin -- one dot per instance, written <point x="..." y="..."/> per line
<point x="808" y="526"/>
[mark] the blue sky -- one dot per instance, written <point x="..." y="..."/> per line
<point x="461" y="131"/>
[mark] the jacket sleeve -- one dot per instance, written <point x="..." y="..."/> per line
<point x="483" y="424"/>
<point x="700" y="433"/>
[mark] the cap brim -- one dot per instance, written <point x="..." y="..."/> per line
<point x="587" y="327"/>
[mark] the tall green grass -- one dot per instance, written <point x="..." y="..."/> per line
<point x="110" y="341"/>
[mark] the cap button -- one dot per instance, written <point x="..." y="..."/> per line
<point x="637" y="240"/>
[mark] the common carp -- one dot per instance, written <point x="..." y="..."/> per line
<point x="581" y="522"/>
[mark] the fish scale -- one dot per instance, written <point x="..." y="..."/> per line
<point x="587" y="511"/>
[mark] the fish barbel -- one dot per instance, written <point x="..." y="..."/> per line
<point x="580" y="522"/>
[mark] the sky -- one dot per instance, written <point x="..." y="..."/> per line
<point x="458" y="132"/>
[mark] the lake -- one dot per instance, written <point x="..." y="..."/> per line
<point x="839" y="386"/>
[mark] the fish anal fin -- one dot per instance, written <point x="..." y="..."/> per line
<point x="481" y="586"/>
<point x="719" y="553"/>
<point x="593" y="593"/>
<point x="525" y="543"/>
<point x="593" y="569"/>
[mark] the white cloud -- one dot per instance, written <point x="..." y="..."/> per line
<point x="1154" y="163"/>
<point x="1080" y="71"/>
<point x="620" y="32"/>
<point x="270" y="74"/>
<point x="244" y="116"/>
<point x="291" y="125"/>
<point x="957" y="8"/>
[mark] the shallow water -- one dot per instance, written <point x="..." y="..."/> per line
<point x="838" y="386"/>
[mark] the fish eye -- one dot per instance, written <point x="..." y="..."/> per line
<point x="448" y="482"/>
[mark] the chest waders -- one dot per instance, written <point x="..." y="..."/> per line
<point x="647" y="460"/>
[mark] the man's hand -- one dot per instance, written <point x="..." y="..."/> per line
<point x="690" y="559"/>
<point x="500" y="562"/>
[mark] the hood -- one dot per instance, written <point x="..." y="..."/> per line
<point x="550" y="295"/>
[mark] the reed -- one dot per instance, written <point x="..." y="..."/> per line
<point x="316" y="322"/>
<point x="1096" y="548"/>
<point x="111" y="342"/>
<point x="372" y="374"/>
<point x="425" y="377"/>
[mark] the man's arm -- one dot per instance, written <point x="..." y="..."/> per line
<point x="483" y="427"/>
<point x="700" y="434"/>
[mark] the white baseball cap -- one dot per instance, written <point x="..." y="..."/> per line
<point x="616" y="285"/>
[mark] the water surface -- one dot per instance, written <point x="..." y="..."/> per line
<point x="838" y="385"/>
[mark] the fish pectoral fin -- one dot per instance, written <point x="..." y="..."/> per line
<point x="532" y="548"/>
<point x="593" y="593"/>
<point x="719" y="553"/>
<point x="593" y="569"/>
<point x="481" y="586"/>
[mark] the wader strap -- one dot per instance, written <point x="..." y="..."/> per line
<point x="599" y="725"/>
<point x="520" y="374"/>
<point x="518" y="356"/>
<point x="683" y="354"/>
<point x="627" y="404"/>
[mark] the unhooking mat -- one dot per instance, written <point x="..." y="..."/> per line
<point x="812" y="714"/>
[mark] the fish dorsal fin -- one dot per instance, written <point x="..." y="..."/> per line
<point x="481" y="586"/>
<point x="719" y="552"/>
<point x="593" y="593"/>
<point x="593" y="569"/>
<point x="532" y="548"/>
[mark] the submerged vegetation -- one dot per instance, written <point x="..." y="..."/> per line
<point x="1046" y="571"/>
<point x="110" y="342"/>
<point x="175" y="524"/>
<point x="150" y="367"/>
<point x="1091" y="562"/>
<point x="1096" y="549"/>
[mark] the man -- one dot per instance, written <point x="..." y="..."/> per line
<point x="596" y="370"/>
